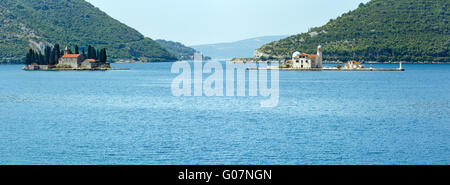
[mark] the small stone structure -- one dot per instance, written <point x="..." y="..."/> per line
<point x="353" y="65"/>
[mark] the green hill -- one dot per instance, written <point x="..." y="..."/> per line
<point x="34" y="23"/>
<point x="381" y="30"/>
<point x="181" y="51"/>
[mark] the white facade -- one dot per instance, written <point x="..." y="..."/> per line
<point x="306" y="61"/>
<point x="353" y="65"/>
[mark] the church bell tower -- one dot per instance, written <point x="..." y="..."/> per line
<point x="66" y="51"/>
<point x="319" y="56"/>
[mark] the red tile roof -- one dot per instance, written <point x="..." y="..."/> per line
<point x="354" y="62"/>
<point x="92" y="60"/>
<point x="70" y="56"/>
<point x="307" y="55"/>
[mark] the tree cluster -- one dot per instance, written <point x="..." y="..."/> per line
<point x="51" y="55"/>
<point x="99" y="55"/>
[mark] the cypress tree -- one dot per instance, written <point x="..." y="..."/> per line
<point x="53" y="59"/>
<point x="105" y="56"/>
<point x="29" y="59"/>
<point x="77" y="49"/>
<point x="57" y="51"/>
<point x="101" y="56"/>
<point x="33" y="57"/>
<point x="41" y="60"/>
<point x="94" y="53"/>
<point x="47" y="52"/>
<point x="90" y="55"/>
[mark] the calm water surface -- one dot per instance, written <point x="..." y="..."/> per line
<point x="131" y="117"/>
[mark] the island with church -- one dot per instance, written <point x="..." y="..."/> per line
<point x="314" y="62"/>
<point x="51" y="58"/>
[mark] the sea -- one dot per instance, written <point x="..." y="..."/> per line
<point x="133" y="117"/>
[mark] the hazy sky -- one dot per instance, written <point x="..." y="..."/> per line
<point x="210" y="21"/>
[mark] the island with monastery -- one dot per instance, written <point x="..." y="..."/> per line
<point x="51" y="58"/>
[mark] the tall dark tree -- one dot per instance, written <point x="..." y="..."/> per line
<point x="94" y="53"/>
<point x="29" y="58"/>
<point x="34" y="57"/>
<point x="90" y="52"/>
<point x="103" y="58"/>
<point x="77" y="49"/>
<point x="41" y="60"/>
<point x="57" y="51"/>
<point x="53" y="57"/>
<point x="47" y="52"/>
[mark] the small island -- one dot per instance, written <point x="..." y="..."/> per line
<point x="54" y="59"/>
<point x="314" y="62"/>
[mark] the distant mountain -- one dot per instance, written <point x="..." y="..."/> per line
<point x="34" y="23"/>
<point x="381" y="30"/>
<point x="241" y="49"/>
<point x="181" y="51"/>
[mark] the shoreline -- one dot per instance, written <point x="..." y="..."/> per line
<point x="325" y="69"/>
<point x="339" y="62"/>
<point x="242" y="61"/>
<point x="120" y="69"/>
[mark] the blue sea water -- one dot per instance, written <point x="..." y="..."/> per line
<point x="131" y="117"/>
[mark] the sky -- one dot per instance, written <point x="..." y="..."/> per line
<point x="194" y="22"/>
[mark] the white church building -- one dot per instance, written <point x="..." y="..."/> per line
<point x="306" y="61"/>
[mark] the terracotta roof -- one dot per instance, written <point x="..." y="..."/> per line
<point x="354" y="62"/>
<point x="92" y="60"/>
<point x="307" y="55"/>
<point x="70" y="56"/>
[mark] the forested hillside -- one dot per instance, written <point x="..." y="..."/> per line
<point x="381" y="30"/>
<point x="36" y="23"/>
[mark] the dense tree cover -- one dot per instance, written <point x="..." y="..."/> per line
<point x="25" y="23"/>
<point x="181" y="51"/>
<point x="381" y="30"/>
<point x="51" y="55"/>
